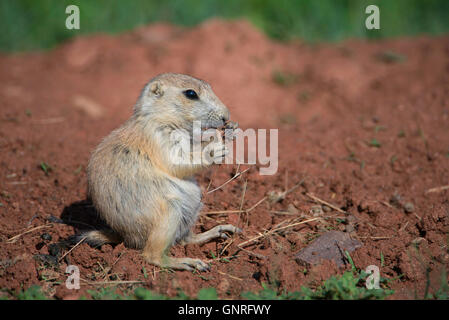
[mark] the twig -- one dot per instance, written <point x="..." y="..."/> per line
<point x="243" y="195"/>
<point x="94" y="283"/>
<point x="403" y="227"/>
<point x="275" y="230"/>
<point x="222" y="258"/>
<point x="208" y="186"/>
<point x="76" y="245"/>
<point x="17" y="182"/>
<point x="285" y="213"/>
<point x="224" y="249"/>
<point x="238" y="211"/>
<point x="325" y="203"/>
<point x="206" y="217"/>
<point x="377" y="238"/>
<point x="294" y="187"/>
<point x="224" y="211"/>
<point x="254" y="206"/>
<point x="257" y="255"/>
<point x="242" y="201"/>
<point x="31" y="220"/>
<point x="279" y="196"/>
<point x="13" y="239"/>
<point x="48" y="120"/>
<point x="238" y="174"/>
<point x="116" y="260"/>
<point x="230" y="276"/>
<point x="386" y="204"/>
<point x="437" y="189"/>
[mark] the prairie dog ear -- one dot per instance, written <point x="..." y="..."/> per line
<point x="157" y="89"/>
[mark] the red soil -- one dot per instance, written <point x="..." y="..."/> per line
<point x="56" y="106"/>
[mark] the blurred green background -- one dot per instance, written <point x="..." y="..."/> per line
<point x="40" y="24"/>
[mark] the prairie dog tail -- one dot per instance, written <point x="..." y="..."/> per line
<point x="96" y="238"/>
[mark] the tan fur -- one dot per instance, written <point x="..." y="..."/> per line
<point x="148" y="201"/>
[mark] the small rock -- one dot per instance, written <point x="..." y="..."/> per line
<point x="275" y="196"/>
<point x="349" y="228"/>
<point x="326" y="209"/>
<point x="417" y="241"/>
<point x="292" y="209"/>
<point x="54" y="250"/>
<point x="395" y="200"/>
<point x="46" y="236"/>
<point x="316" y="211"/>
<point x="223" y="285"/>
<point x="257" y="275"/>
<point x="46" y="259"/>
<point x="329" y="246"/>
<point x="351" y="219"/>
<point x="48" y="275"/>
<point x="409" y="207"/>
<point x="40" y="245"/>
<point x="55" y="219"/>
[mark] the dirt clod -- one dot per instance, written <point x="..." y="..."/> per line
<point x="409" y="207"/>
<point x="54" y="249"/>
<point x="46" y="237"/>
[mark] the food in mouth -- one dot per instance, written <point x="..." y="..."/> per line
<point x="227" y="130"/>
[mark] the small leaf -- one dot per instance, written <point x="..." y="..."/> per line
<point x="350" y="261"/>
<point x="145" y="274"/>
<point x="45" y="167"/>
<point x="374" y="143"/>
<point x="382" y="260"/>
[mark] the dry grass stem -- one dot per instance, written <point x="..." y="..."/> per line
<point x="325" y="203"/>
<point x="230" y="276"/>
<point x="377" y="238"/>
<point x="267" y="233"/>
<point x="13" y="239"/>
<point x="224" y="211"/>
<point x="254" y="206"/>
<point x="48" y="120"/>
<point x="238" y="174"/>
<point x="71" y="249"/>
<point x="437" y="189"/>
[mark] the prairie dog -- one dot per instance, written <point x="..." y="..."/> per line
<point x="147" y="201"/>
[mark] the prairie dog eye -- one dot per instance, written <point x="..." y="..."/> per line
<point x="191" y="94"/>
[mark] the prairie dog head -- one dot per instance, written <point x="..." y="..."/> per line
<point x="177" y="100"/>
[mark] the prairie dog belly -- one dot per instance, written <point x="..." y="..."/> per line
<point x="186" y="205"/>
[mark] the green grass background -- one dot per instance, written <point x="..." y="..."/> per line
<point x="40" y="24"/>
